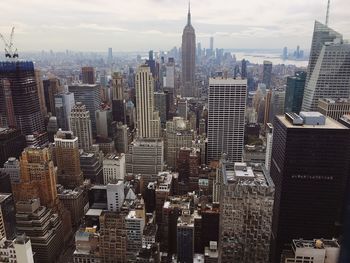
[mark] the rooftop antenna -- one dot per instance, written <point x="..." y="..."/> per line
<point x="327" y="15"/>
<point x="10" y="50"/>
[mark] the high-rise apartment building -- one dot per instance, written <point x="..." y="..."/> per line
<point x="178" y="134"/>
<point x="19" y="99"/>
<point x="226" y="113"/>
<point x="38" y="178"/>
<point x="267" y="74"/>
<point x="329" y="68"/>
<point x="64" y="103"/>
<point x="67" y="156"/>
<point x="148" y="121"/>
<point x="244" y="194"/>
<point x="90" y="96"/>
<point x="188" y="50"/>
<point x="88" y="75"/>
<point x="80" y="123"/>
<point x="295" y="92"/>
<point x="334" y="108"/>
<point x="112" y="235"/>
<point x="310" y="158"/>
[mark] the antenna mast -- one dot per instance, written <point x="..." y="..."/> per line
<point x="327" y="15"/>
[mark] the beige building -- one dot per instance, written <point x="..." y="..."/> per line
<point x="334" y="108"/>
<point x="80" y="123"/>
<point x="148" y="121"/>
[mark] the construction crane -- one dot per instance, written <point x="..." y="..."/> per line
<point x="10" y="51"/>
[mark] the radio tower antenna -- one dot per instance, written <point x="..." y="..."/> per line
<point x="327" y="15"/>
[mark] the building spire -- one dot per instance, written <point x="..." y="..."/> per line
<point x="189" y="13"/>
<point x="327" y="14"/>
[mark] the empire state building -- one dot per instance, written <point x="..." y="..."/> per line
<point x="188" y="59"/>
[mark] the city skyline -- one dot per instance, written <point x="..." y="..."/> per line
<point x="157" y="24"/>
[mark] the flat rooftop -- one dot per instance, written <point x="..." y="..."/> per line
<point x="330" y="124"/>
<point x="227" y="81"/>
<point x="316" y="243"/>
<point x="334" y="101"/>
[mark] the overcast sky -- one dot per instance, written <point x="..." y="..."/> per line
<point x="130" y="25"/>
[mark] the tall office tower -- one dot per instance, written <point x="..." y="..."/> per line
<point x="145" y="157"/>
<point x="12" y="143"/>
<point x="199" y="49"/>
<point x="329" y="71"/>
<point x="267" y="74"/>
<point x="227" y="102"/>
<point x="285" y="53"/>
<point x="178" y="134"/>
<point x="43" y="227"/>
<point x="267" y="106"/>
<point x="245" y="194"/>
<point x="276" y="103"/>
<point x="244" y="69"/>
<point x="69" y="173"/>
<point x="135" y="224"/>
<point x="104" y="121"/>
<point x="148" y="122"/>
<point x="188" y="51"/>
<point x="334" y="108"/>
<point x="91" y="165"/>
<point x="118" y="104"/>
<point x="122" y="140"/>
<point x="38" y="178"/>
<point x="88" y="75"/>
<point x="5" y="182"/>
<point x="268" y="153"/>
<point x="113" y="168"/>
<point x="7" y="207"/>
<point x="113" y="235"/>
<point x="51" y="128"/>
<point x="170" y="74"/>
<point x="212" y="44"/>
<point x="160" y="105"/>
<point x="21" y="103"/>
<point x="110" y="55"/>
<point x="90" y="96"/>
<point x="23" y="249"/>
<point x="185" y="237"/>
<point x="80" y="124"/>
<point x="40" y="90"/>
<point x="295" y="92"/>
<point x="64" y="103"/>
<point x="51" y="88"/>
<point x="182" y="108"/>
<point x="301" y="170"/>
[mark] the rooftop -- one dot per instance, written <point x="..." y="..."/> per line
<point x="4" y="197"/>
<point x="329" y="123"/>
<point x="334" y="101"/>
<point x="227" y="81"/>
<point x="316" y="243"/>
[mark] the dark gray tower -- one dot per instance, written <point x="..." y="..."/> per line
<point x="188" y="58"/>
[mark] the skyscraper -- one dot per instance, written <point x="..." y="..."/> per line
<point x="329" y="68"/>
<point x="246" y="217"/>
<point x="80" y="124"/>
<point x="69" y="173"/>
<point x="90" y="96"/>
<point x="118" y="104"/>
<point x="310" y="169"/>
<point x="188" y="49"/>
<point x="64" y="103"/>
<point x="88" y="75"/>
<point x="267" y="74"/>
<point x="212" y="44"/>
<point x="295" y="92"/>
<point x="12" y="143"/>
<point x="110" y="55"/>
<point x="244" y="69"/>
<point x="21" y="105"/>
<point x="38" y="179"/>
<point x="226" y="112"/>
<point x="148" y="121"/>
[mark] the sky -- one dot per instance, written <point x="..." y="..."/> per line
<point x="141" y="25"/>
